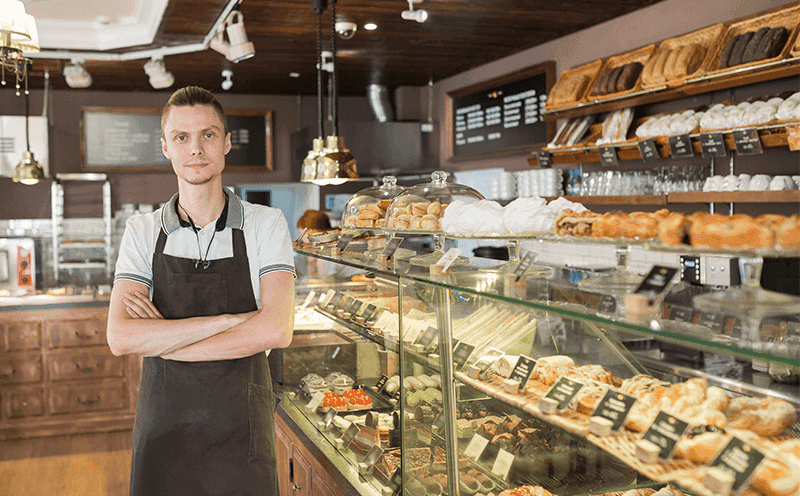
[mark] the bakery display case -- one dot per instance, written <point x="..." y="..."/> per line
<point x="367" y="208"/>
<point x="489" y="382"/>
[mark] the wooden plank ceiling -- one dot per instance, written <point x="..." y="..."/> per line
<point x="458" y="35"/>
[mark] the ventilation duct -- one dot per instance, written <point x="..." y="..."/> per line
<point x="379" y="102"/>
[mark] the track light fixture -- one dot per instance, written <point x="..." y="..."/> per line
<point x="419" y="15"/>
<point x="17" y="35"/>
<point x="76" y="74"/>
<point x="160" y="78"/>
<point x="237" y="48"/>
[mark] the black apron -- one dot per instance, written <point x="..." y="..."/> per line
<point x="204" y="428"/>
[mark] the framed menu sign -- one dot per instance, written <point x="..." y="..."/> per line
<point x="129" y="139"/>
<point x="502" y="116"/>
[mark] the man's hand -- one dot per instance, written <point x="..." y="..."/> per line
<point x="139" y="306"/>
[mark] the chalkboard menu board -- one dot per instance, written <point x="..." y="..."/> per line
<point x="503" y="114"/>
<point x="130" y="139"/>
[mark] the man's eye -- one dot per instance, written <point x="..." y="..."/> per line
<point x="180" y="138"/>
<point x="209" y="135"/>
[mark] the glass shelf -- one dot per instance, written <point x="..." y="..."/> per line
<point x="560" y="293"/>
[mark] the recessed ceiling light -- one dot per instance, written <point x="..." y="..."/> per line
<point x="370" y="26"/>
<point x="294" y="74"/>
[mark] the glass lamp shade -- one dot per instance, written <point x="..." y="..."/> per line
<point x="336" y="165"/>
<point x="28" y="171"/>
<point x="18" y="27"/>
<point x="309" y="172"/>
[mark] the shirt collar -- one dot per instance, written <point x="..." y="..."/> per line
<point x="232" y="215"/>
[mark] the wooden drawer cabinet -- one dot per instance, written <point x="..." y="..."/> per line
<point x="22" y="336"/>
<point x="58" y="376"/>
<point x="69" y="333"/>
<point x="82" y="397"/>
<point x="23" y="402"/>
<point x="20" y="368"/>
<point x="89" y="364"/>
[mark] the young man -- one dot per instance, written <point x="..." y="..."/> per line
<point x="203" y="287"/>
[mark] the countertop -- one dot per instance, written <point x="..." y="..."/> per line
<point x="10" y="303"/>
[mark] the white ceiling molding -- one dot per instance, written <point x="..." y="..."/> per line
<point x="137" y="28"/>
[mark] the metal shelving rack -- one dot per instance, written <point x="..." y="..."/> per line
<point x="57" y="214"/>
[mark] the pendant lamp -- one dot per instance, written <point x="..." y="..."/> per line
<point x="28" y="171"/>
<point x="336" y="165"/>
<point x="311" y="162"/>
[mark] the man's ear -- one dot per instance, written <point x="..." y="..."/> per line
<point x="164" y="148"/>
<point x="227" y="143"/>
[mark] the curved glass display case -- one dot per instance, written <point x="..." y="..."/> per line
<point x="485" y="366"/>
<point x="367" y="208"/>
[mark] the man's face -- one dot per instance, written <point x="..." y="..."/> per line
<point x="196" y="143"/>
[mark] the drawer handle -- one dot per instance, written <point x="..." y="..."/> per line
<point x="6" y="376"/>
<point x="87" y="370"/>
<point x="90" y="402"/>
<point x="296" y="487"/>
<point x="81" y="336"/>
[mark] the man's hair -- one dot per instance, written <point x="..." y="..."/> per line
<point x="193" y="95"/>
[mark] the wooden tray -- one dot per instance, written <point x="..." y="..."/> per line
<point x="707" y="38"/>
<point x="787" y="16"/>
<point x="795" y="44"/>
<point x="641" y="55"/>
<point x="590" y="70"/>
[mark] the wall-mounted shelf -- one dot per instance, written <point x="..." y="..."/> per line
<point x="790" y="196"/>
<point x="772" y="136"/>
<point x="706" y="84"/>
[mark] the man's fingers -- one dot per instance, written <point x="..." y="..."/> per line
<point x="143" y="308"/>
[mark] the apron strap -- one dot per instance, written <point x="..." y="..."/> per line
<point x="162" y="240"/>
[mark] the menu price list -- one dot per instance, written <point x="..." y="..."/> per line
<point x="504" y="117"/>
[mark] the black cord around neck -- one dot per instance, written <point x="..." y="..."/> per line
<point x="202" y="260"/>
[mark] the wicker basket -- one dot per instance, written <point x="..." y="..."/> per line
<point x="642" y="55"/>
<point x="589" y="71"/>
<point x="795" y="44"/>
<point x="787" y="17"/>
<point x="706" y="38"/>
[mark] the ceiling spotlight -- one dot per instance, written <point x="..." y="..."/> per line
<point x="227" y="83"/>
<point x="370" y="26"/>
<point x="346" y="30"/>
<point x="160" y="78"/>
<point x="238" y="48"/>
<point x="76" y="75"/>
<point x="419" y="15"/>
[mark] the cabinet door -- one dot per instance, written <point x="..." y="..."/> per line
<point x="319" y="487"/>
<point x="283" y="453"/>
<point x="301" y="471"/>
<point x="81" y="332"/>
<point x="22" y="336"/>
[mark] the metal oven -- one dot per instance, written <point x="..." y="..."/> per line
<point x="18" y="266"/>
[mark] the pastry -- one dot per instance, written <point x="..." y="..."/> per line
<point x="700" y="445"/>
<point x="672" y="229"/>
<point x="735" y="231"/>
<point x="787" y="233"/>
<point x="764" y="416"/>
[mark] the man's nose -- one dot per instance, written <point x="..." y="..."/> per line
<point x="196" y="148"/>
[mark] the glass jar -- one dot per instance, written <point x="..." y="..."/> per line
<point x="367" y="208"/>
<point x="420" y="208"/>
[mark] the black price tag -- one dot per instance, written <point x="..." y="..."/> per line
<point x="608" y="304"/>
<point x="491" y="356"/>
<point x="428" y="336"/>
<point x="681" y="146"/>
<point x="354" y="308"/>
<point x="328" y="418"/>
<point x="368" y="312"/>
<point x="395" y="483"/>
<point x="391" y="247"/>
<point x="739" y="458"/>
<point x="615" y="407"/>
<point x="712" y="145"/>
<point x="648" y="150"/>
<point x="665" y="432"/>
<point x="656" y="281"/>
<point x="349" y="435"/>
<point x="461" y="353"/>
<point x="608" y="156"/>
<point x="543" y="293"/>
<point x="335" y="300"/>
<point x="381" y="384"/>
<point x="526" y="262"/>
<point x="747" y="142"/>
<point x="711" y="320"/>
<point x="681" y="314"/>
<point x="345" y="240"/>
<point x="545" y="159"/>
<point x="563" y="391"/>
<point x="522" y="371"/>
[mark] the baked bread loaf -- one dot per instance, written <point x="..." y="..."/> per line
<point x="628" y="76"/>
<point x="735" y="231"/>
<point x="669" y="64"/>
<point x="750" y="50"/>
<point x="657" y="73"/>
<point x="738" y="49"/>
<point x="763" y="416"/>
<point x="725" y="56"/>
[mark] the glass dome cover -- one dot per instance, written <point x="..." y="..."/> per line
<point x="421" y="207"/>
<point x="367" y="208"/>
